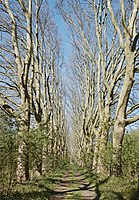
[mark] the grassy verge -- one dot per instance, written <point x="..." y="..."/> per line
<point x="114" y="188"/>
<point x="40" y="188"/>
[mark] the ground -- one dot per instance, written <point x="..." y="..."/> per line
<point x="74" y="185"/>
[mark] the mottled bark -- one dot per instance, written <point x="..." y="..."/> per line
<point x="23" y="149"/>
<point x="119" y="125"/>
<point x="129" y="51"/>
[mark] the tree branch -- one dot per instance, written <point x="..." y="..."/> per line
<point x="115" y="23"/>
<point x="133" y="47"/>
<point x="132" y="109"/>
<point x="132" y="120"/>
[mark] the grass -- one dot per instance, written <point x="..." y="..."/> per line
<point x="107" y="188"/>
<point x="40" y="188"/>
<point x="116" y="188"/>
<point x="113" y="188"/>
<point x="74" y="196"/>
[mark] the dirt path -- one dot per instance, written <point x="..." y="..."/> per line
<point x="74" y="186"/>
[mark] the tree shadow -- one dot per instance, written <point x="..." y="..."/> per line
<point x="42" y="192"/>
<point x="91" y="175"/>
<point x="53" y="194"/>
<point x="45" y="193"/>
<point x="98" y="192"/>
<point x="54" y="180"/>
<point x="81" y="174"/>
<point x="56" y="194"/>
<point x="119" y="195"/>
<point x="135" y="195"/>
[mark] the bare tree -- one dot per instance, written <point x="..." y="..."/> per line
<point x="30" y="61"/>
<point x="128" y="38"/>
<point x="98" y="68"/>
<point x="13" y="55"/>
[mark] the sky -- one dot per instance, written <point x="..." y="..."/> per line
<point x="66" y="44"/>
<point x="66" y="48"/>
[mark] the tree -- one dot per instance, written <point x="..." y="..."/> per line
<point x="30" y="62"/>
<point x="129" y="48"/>
<point x="98" y="71"/>
<point x="19" y="56"/>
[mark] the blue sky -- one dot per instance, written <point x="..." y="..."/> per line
<point x="62" y="29"/>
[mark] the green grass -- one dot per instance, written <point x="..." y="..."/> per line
<point x="113" y="188"/>
<point x="116" y="188"/>
<point x="107" y="188"/>
<point x="74" y="196"/>
<point x="40" y="188"/>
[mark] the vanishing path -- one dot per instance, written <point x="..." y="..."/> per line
<point x="74" y="186"/>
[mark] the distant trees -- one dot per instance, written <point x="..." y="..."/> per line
<point x="105" y="63"/>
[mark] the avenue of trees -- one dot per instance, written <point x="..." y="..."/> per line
<point x="104" y="78"/>
<point x="31" y="90"/>
<point x="101" y="94"/>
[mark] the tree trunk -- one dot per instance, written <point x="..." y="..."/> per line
<point x="23" y="162"/>
<point x="23" y="151"/>
<point x="119" y="125"/>
<point x="96" y="152"/>
<point x="119" y="129"/>
<point x="101" y="167"/>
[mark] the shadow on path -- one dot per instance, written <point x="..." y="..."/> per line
<point x="74" y="187"/>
